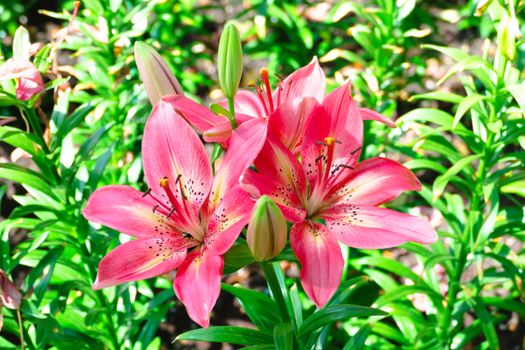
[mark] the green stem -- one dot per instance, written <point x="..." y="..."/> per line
<point x="21" y="325"/>
<point x="231" y="109"/>
<point x="275" y="288"/>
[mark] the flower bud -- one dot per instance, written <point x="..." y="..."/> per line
<point x="267" y="230"/>
<point x="229" y="62"/>
<point x="10" y="297"/>
<point x="155" y="73"/>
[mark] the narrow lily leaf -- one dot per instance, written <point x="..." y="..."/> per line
<point x="227" y="334"/>
<point x="439" y="96"/>
<point x="442" y="181"/>
<point x="467" y="103"/>
<point x="487" y="324"/>
<point x="283" y="336"/>
<point x="357" y="341"/>
<point x="24" y="176"/>
<point x="518" y="92"/>
<point x="260" y="308"/>
<point x="333" y="314"/>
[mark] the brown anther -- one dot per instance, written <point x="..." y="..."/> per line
<point x="319" y="158"/>
<point x="322" y="143"/>
<point x="355" y="151"/>
<point x="148" y="191"/>
<point x="178" y="179"/>
<point x="171" y="212"/>
<point x="155" y="207"/>
<point x="186" y="235"/>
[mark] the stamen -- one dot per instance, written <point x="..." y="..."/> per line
<point x="329" y="141"/>
<point x="155" y="207"/>
<point x="171" y="212"/>
<point x="264" y="77"/>
<point x="319" y="158"/>
<point x="164" y="182"/>
<point x="355" y="151"/>
<point x="259" y="92"/>
<point x="322" y="143"/>
<point x="186" y="235"/>
<point x="148" y="191"/>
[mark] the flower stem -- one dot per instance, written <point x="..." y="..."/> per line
<point x="275" y="288"/>
<point x="20" y="325"/>
<point x="231" y="109"/>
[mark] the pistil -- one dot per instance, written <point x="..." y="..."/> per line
<point x="264" y="78"/>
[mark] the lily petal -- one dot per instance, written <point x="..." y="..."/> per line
<point x="368" y="114"/>
<point x="197" y="115"/>
<point x="280" y="177"/>
<point x="228" y="219"/>
<point x="171" y="149"/>
<point x="321" y="260"/>
<point x="376" y="228"/>
<point x="198" y="284"/>
<point x="374" y="182"/>
<point x="141" y="259"/>
<point x="244" y="145"/>
<point x="338" y="117"/>
<point x="127" y="210"/>
<point x="247" y="102"/>
<point x="289" y="120"/>
<point x="308" y="81"/>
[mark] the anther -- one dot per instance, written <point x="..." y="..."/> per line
<point x="322" y="143"/>
<point x="148" y="191"/>
<point x="178" y="179"/>
<point x="329" y="141"/>
<point x="171" y="212"/>
<point x="319" y="158"/>
<point x="186" y="235"/>
<point x="164" y="182"/>
<point x="355" y="151"/>
<point x="155" y="207"/>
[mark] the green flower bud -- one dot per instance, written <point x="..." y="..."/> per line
<point x="229" y="62"/>
<point x="267" y="230"/>
<point x="155" y="73"/>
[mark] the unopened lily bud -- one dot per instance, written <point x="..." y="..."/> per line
<point x="10" y="297"/>
<point x="229" y="62"/>
<point x="266" y="233"/>
<point x="155" y="73"/>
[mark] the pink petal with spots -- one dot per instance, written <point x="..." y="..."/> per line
<point x="288" y="121"/>
<point x="172" y="149"/>
<point x="375" y="181"/>
<point x="197" y="115"/>
<point x="141" y="259"/>
<point x="321" y="260"/>
<point x="284" y="195"/>
<point x="338" y="117"/>
<point x="368" y="114"/>
<point x="244" y="145"/>
<point x="279" y="176"/>
<point x="228" y="219"/>
<point x="125" y="209"/>
<point x="198" y="284"/>
<point x="376" y="228"/>
<point x="308" y="81"/>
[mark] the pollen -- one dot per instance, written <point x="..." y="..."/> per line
<point x="329" y="141"/>
<point x="164" y="182"/>
<point x="263" y="72"/>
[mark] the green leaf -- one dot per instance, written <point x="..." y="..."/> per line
<point x="517" y="187"/>
<point x="283" y="336"/>
<point x="24" y="176"/>
<point x="487" y="324"/>
<point x="238" y="256"/>
<point x="21" y="139"/>
<point x="333" y="314"/>
<point x="438" y="96"/>
<point x="401" y="292"/>
<point x="442" y="180"/>
<point x="260" y="308"/>
<point x="518" y="92"/>
<point x="467" y="103"/>
<point x="357" y="341"/>
<point x="387" y="264"/>
<point x="227" y="334"/>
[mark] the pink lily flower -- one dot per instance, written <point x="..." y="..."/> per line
<point x="30" y="81"/>
<point x="187" y="219"/>
<point x="285" y="109"/>
<point x="327" y="184"/>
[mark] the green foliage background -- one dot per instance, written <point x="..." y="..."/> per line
<point x="452" y="77"/>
